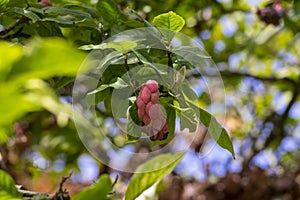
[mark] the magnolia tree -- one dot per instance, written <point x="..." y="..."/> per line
<point x="133" y="88"/>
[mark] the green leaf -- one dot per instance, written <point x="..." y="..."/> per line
<point x="26" y="13"/>
<point x="134" y="131"/>
<point x="8" y="190"/>
<point x="151" y="172"/>
<point x="134" y="126"/>
<point x="97" y="191"/>
<point x="189" y="111"/>
<point x="13" y="106"/>
<point x="53" y="10"/>
<point x="63" y="21"/>
<point x="187" y="117"/>
<point x="110" y="12"/>
<point x="92" y="46"/>
<point x="170" y="21"/>
<point x="9" y="54"/>
<point x="3" y="4"/>
<point x="119" y="84"/>
<point x="46" y="58"/>
<point x="218" y="133"/>
<point x="122" y="47"/>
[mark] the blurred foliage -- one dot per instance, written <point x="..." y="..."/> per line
<point x="39" y="59"/>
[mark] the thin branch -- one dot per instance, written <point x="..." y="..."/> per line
<point x="19" y="21"/>
<point x="62" y="194"/>
<point x="266" y="78"/>
<point x="30" y="195"/>
<point x="278" y="121"/>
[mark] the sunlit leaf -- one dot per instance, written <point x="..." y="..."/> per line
<point x="9" y="54"/>
<point x="151" y="172"/>
<point x="45" y="58"/>
<point x="189" y="112"/>
<point x="13" y="105"/>
<point x="8" y="190"/>
<point x="122" y="47"/>
<point x="3" y="4"/>
<point x="92" y="46"/>
<point x="98" y="190"/>
<point x="218" y="133"/>
<point x="170" y="21"/>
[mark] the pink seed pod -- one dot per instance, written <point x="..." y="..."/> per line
<point x="141" y="113"/>
<point x="148" y="107"/>
<point x="150" y="112"/>
<point x="145" y="95"/>
<point x="140" y="103"/>
<point x="152" y="85"/>
<point x="157" y="125"/>
<point x="155" y="98"/>
<point x="146" y="119"/>
<point x="45" y="3"/>
<point x="155" y="112"/>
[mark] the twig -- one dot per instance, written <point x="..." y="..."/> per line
<point x="19" y="21"/>
<point x="62" y="194"/>
<point x="30" y="195"/>
<point x="113" y="185"/>
<point x="239" y="74"/>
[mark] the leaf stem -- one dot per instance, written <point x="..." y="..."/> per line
<point x="129" y="72"/>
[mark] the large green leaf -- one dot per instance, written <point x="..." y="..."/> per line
<point x="122" y="47"/>
<point x="53" y="10"/>
<point x="97" y="191"/>
<point x="134" y="126"/>
<point x="3" y="4"/>
<point x="170" y="21"/>
<point x="45" y="58"/>
<point x="8" y="190"/>
<point x="190" y="111"/>
<point x="110" y="12"/>
<point x="151" y="172"/>
<point x="9" y="54"/>
<point x="218" y="133"/>
<point x="119" y="84"/>
<point x="31" y="15"/>
<point x="13" y="105"/>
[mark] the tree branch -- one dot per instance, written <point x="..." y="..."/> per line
<point x="61" y="194"/>
<point x="267" y="79"/>
<point x="19" y="21"/>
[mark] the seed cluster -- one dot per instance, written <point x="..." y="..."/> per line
<point x="150" y="112"/>
<point x="271" y="14"/>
